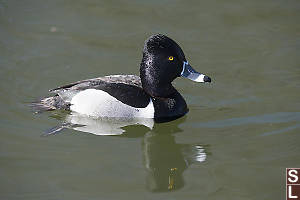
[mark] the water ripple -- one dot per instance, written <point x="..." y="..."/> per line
<point x="279" y="117"/>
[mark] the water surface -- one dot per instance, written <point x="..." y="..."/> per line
<point x="242" y="130"/>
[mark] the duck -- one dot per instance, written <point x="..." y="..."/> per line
<point x="149" y="95"/>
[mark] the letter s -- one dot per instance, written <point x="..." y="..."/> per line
<point x="293" y="173"/>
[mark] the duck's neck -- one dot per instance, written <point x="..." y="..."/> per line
<point x="153" y="84"/>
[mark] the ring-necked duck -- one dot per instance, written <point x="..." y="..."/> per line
<point x="149" y="96"/>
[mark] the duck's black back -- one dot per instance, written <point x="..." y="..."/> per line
<point x="125" y="88"/>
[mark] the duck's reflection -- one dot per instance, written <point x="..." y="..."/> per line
<point x="99" y="126"/>
<point x="165" y="160"/>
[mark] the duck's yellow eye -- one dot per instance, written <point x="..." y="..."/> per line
<point x="171" y="58"/>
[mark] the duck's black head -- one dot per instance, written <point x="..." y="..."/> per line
<point x="163" y="61"/>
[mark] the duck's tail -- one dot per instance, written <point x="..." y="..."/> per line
<point x="49" y="103"/>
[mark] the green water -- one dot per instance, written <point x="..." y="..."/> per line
<point x="242" y="130"/>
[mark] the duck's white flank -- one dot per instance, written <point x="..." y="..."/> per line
<point x="97" y="103"/>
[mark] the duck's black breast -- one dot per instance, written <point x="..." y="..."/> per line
<point x="125" y="88"/>
<point x="170" y="108"/>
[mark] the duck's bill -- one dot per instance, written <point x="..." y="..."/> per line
<point x="190" y="73"/>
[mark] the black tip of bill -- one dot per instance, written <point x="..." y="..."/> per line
<point x="207" y="79"/>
